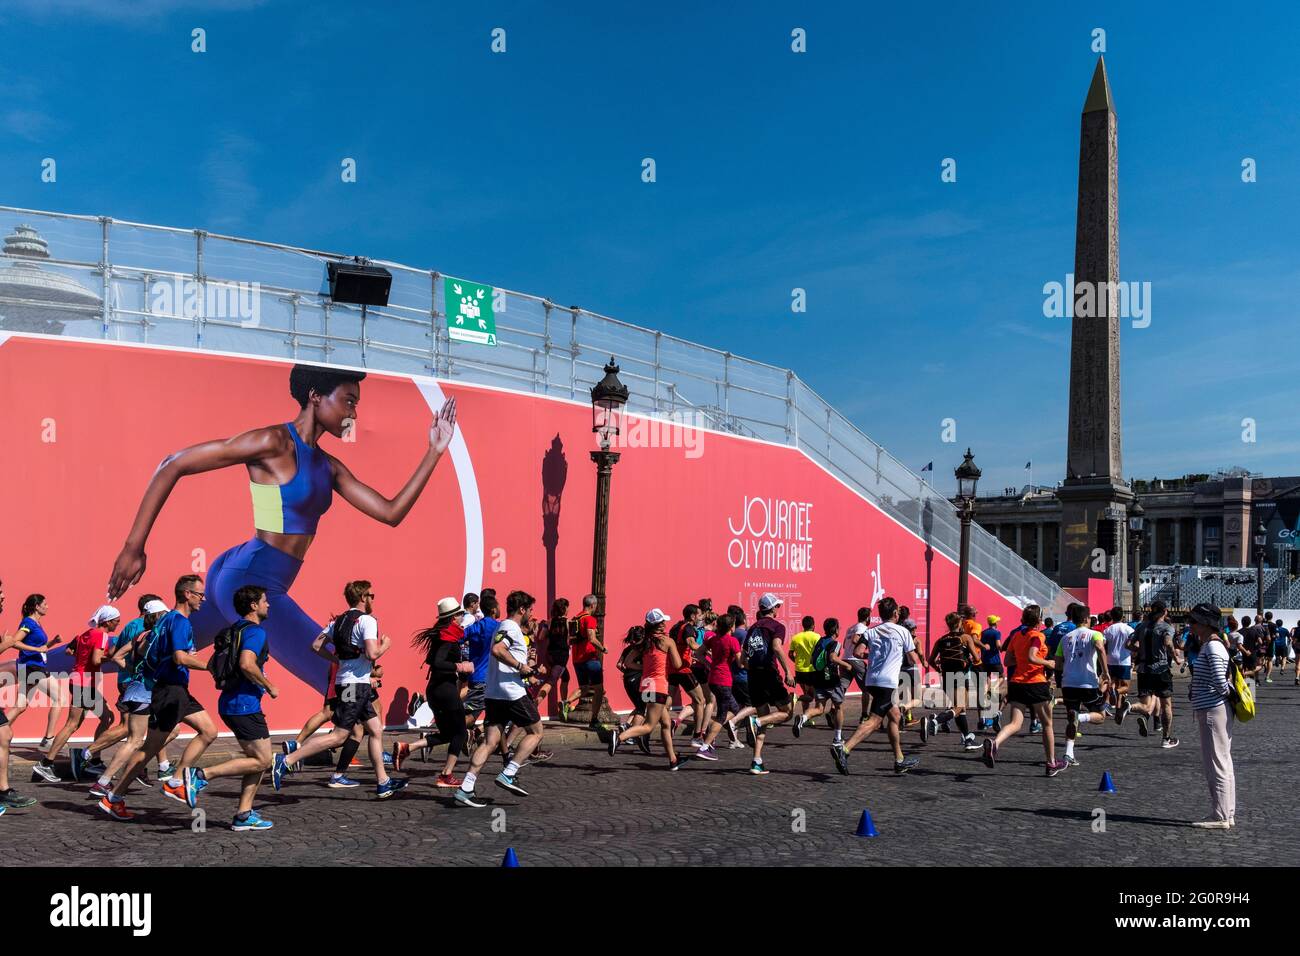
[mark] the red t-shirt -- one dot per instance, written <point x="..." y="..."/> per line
<point x="583" y="649"/>
<point x="83" y="650"/>
<point x="722" y="651"/>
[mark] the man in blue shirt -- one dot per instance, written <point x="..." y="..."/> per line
<point x="166" y="670"/>
<point x="477" y="647"/>
<point x="240" y="707"/>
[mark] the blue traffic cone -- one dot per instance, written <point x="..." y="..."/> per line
<point x="865" y="827"/>
<point x="510" y="859"/>
<point x="1107" y="785"/>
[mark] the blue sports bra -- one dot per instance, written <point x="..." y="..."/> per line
<point x="296" y="506"/>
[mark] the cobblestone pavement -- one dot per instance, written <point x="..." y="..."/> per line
<point x="586" y="807"/>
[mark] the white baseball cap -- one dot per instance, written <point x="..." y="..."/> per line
<point x="655" y="616"/>
<point x="768" y="601"/>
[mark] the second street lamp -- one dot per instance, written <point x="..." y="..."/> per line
<point x="608" y="397"/>
<point x="1261" y="539"/>
<point x="968" y="476"/>
<point x="1136" y="520"/>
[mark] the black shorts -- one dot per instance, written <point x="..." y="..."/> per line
<point x="353" y="704"/>
<point x="132" y="708"/>
<point x="1027" y="695"/>
<point x="685" y="680"/>
<point x="632" y="687"/>
<point x="171" y="704"/>
<point x="247" y="726"/>
<point x="1083" y="698"/>
<point x="1156" y="685"/>
<point x="879" y="701"/>
<point x="701" y="674"/>
<point x="766" y="689"/>
<point x="521" y="712"/>
<point x="3" y="719"/>
<point x="741" y="689"/>
<point x="725" y="700"/>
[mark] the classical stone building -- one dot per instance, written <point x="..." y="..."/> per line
<point x="1193" y="520"/>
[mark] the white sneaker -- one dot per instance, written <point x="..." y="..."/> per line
<point x="45" y="773"/>
<point x="736" y="745"/>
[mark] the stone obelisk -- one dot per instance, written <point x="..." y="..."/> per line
<point x="1094" y="483"/>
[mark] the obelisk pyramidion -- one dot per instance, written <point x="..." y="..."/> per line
<point x="1094" y="482"/>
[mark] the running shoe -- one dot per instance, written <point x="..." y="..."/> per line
<point x="98" y="790"/>
<point x="757" y="769"/>
<point x="428" y="748"/>
<point x="906" y="764"/>
<point x="251" y="821"/>
<point x="613" y="744"/>
<point x="401" y="750"/>
<point x="996" y="722"/>
<point x="707" y="753"/>
<point x="194" y="782"/>
<point x="1122" y="711"/>
<point x="395" y="784"/>
<point x="76" y="761"/>
<point x="143" y="779"/>
<point x="116" y="809"/>
<point x="464" y="799"/>
<point x="341" y="781"/>
<point x="751" y="729"/>
<point x="541" y="756"/>
<point x="1169" y="743"/>
<point x="278" y="770"/>
<point x="1142" y="725"/>
<point x="734" y="745"/>
<point x="643" y="745"/>
<point x="509" y="783"/>
<point x="933" y="721"/>
<point x="676" y="765"/>
<point x="698" y="743"/>
<point x="798" y="724"/>
<point x="447" y="781"/>
<point x="1055" y="767"/>
<point x="288" y="746"/>
<point x="1036" y="727"/>
<point x="93" y="767"/>
<point x="2" y="811"/>
<point x="164" y="773"/>
<point x="841" y="757"/>
<point x="42" y="771"/>
<point x="989" y="756"/>
<point x="970" y="743"/>
<point x="1070" y="761"/>
<point x="13" y="800"/>
<point x="45" y="744"/>
<point x="943" y="726"/>
<point x="731" y="730"/>
<point x="356" y="762"/>
<point x="176" y="792"/>
<point x="388" y="759"/>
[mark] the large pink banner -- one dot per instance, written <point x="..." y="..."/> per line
<point x="694" y="513"/>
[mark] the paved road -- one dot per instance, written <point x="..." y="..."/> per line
<point x="587" y="807"/>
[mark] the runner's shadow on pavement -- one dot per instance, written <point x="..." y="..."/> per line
<point x="1086" y="816"/>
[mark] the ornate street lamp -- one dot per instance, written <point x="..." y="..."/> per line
<point x="608" y="397"/>
<point x="1136" y="520"/>
<point x="1261" y="539"/>
<point x="968" y="476"/>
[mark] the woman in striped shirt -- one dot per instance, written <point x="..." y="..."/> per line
<point x="1214" y="715"/>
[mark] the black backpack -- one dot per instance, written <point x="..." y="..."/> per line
<point x="347" y="645"/>
<point x="224" y="665"/>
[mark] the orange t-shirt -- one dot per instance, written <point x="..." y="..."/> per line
<point x="1026" y="671"/>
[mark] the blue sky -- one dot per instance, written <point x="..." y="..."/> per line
<point x="775" y="170"/>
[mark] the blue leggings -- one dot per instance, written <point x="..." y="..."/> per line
<point x="290" y="629"/>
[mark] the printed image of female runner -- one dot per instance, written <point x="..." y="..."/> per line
<point x="293" y="482"/>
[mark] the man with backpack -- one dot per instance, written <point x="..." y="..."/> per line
<point x="1153" y="640"/>
<point x="165" y="671"/>
<point x="771" y="676"/>
<point x="830" y="675"/>
<point x="238" y="667"/>
<point x="358" y="645"/>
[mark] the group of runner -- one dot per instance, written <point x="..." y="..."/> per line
<point x="497" y="665"/>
